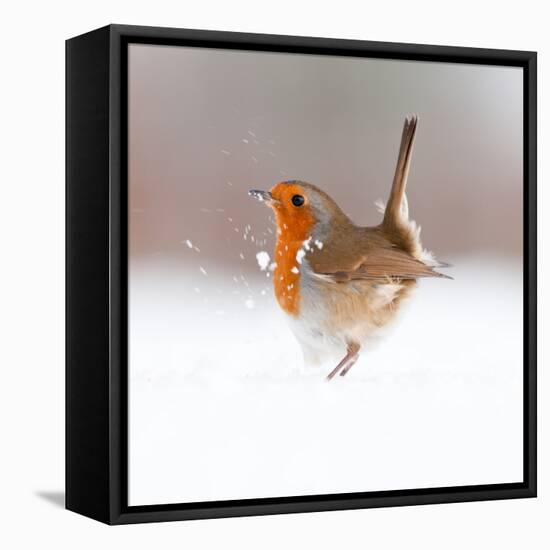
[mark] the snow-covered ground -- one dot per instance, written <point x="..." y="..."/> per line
<point x="221" y="406"/>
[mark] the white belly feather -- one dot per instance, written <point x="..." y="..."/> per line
<point x="331" y="314"/>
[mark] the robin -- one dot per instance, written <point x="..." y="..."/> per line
<point x="338" y="282"/>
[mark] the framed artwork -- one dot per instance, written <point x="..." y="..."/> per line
<point x="256" y="323"/>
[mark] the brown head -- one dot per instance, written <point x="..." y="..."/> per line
<point x="301" y="210"/>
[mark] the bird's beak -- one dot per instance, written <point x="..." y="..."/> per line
<point x="262" y="196"/>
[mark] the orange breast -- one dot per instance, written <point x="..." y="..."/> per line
<point x="294" y="225"/>
<point x="286" y="277"/>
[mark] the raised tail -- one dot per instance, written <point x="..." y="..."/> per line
<point x="399" y="229"/>
<point x="396" y="213"/>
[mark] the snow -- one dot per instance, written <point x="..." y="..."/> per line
<point x="222" y="407"/>
<point x="263" y="259"/>
<point x="306" y="247"/>
<point x="191" y="245"/>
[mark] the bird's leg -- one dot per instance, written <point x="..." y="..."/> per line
<point x="350" y="364"/>
<point x="348" y="361"/>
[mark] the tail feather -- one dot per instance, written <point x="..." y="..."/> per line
<point x="396" y="210"/>
<point x="401" y="231"/>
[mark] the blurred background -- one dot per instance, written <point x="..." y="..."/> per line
<point x="221" y="405"/>
<point x="207" y="125"/>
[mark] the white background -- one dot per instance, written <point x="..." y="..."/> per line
<point x="32" y="301"/>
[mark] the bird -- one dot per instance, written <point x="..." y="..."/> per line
<point x="339" y="283"/>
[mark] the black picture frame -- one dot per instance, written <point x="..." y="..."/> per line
<point x="96" y="274"/>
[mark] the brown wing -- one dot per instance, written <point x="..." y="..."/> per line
<point x="368" y="255"/>
<point x="386" y="263"/>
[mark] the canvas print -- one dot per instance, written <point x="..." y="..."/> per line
<point x="325" y="274"/>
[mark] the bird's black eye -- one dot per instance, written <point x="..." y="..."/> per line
<point x="298" y="200"/>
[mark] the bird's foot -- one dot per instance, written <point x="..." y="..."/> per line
<point x="347" y="368"/>
<point x="347" y="362"/>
